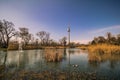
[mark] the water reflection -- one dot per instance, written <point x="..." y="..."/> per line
<point x="59" y="59"/>
<point x="33" y="59"/>
<point x="73" y="51"/>
<point x="96" y="59"/>
<point x="20" y="60"/>
<point x="3" y="57"/>
<point x="105" y="64"/>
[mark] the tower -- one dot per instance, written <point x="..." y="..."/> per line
<point x="68" y="30"/>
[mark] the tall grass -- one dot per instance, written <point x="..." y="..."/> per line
<point x="53" y="55"/>
<point x="104" y="48"/>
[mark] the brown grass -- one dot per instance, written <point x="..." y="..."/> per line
<point x="104" y="48"/>
<point x="45" y="75"/>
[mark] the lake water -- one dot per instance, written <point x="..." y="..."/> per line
<point x="62" y="59"/>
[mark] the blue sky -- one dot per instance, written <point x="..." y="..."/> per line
<point x="86" y="18"/>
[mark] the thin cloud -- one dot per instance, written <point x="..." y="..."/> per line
<point x="106" y="29"/>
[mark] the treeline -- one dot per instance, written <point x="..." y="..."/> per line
<point x="105" y="45"/>
<point x="8" y="32"/>
<point x="10" y="37"/>
<point x="109" y="39"/>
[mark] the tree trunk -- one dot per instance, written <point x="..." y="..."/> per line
<point x="7" y="43"/>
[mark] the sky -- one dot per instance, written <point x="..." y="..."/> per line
<point x="86" y="18"/>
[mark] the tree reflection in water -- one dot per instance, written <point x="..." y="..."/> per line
<point x="95" y="59"/>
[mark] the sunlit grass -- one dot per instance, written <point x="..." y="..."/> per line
<point x="53" y="55"/>
<point x="104" y="48"/>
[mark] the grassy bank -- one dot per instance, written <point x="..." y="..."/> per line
<point x="104" y="48"/>
<point x="28" y="47"/>
<point x="3" y="49"/>
<point x="31" y="47"/>
<point x="46" y="75"/>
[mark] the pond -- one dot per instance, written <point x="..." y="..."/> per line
<point x="69" y="60"/>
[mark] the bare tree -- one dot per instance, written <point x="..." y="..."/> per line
<point x="113" y="40"/>
<point x="101" y="39"/>
<point x="41" y="35"/>
<point x="17" y="36"/>
<point x="0" y="40"/>
<point x="109" y="36"/>
<point x="32" y="38"/>
<point x="25" y="35"/>
<point x="118" y="39"/>
<point x="7" y="31"/>
<point x="63" y="41"/>
<point x="36" y="42"/>
<point x="0" y="34"/>
<point x="95" y="41"/>
<point x="53" y="42"/>
<point x="47" y="38"/>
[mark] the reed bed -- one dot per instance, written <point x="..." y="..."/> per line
<point x="104" y="49"/>
<point x="53" y="55"/>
